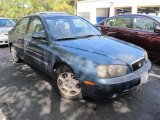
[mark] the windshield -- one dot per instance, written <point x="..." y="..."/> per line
<point x="70" y="27"/>
<point x="6" y="23"/>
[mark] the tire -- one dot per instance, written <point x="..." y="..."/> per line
<point x="15" y="58"/>
<point x="67" y="84"/>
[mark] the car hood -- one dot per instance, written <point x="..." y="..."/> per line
<point x="5" y="30"/>
<point x="106" y="46"/>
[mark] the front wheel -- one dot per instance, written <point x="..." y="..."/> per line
<point x="67" y="84"/>
<point x="15" y="58"/>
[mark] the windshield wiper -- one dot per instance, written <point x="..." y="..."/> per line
<point x="67" y="38"/>
<point x="72" y="38"/>
<point x="89" y="36"/>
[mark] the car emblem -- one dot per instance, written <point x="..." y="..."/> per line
<point x="139" y="64"/>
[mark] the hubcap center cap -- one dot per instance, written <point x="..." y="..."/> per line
<point x="68" y="84"/>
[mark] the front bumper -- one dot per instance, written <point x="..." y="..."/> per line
<point x="113" y="87"/>
<point x="4" y="40"/>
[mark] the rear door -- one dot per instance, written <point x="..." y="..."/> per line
<point x="145" y="36"/>
<point x="36" y="50"/>
<point x="119" y="27"/>
<point x="19" y="33"/>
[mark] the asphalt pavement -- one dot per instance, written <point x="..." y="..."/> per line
<point x="26" y="94"/>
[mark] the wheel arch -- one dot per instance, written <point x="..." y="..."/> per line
<point x="59" y="63"/>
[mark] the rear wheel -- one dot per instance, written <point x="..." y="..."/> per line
<point x="67" y="83"/>
<point x="15" y="58"/>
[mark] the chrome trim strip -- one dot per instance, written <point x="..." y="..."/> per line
<point x="37" y="53"/>
<point x="25" y="52"/>
<point x="36" y="58"/>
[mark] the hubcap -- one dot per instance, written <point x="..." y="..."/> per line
<point x="68" y="84"/>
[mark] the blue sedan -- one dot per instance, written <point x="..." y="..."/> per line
<point x="80" y="61"/>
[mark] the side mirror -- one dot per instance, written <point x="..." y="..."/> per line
<point x="39" y="35"/>
<point x="98" y="27"/>
<point x="157" y="29"/>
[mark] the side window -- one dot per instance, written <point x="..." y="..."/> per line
<point x="123" y="22"/>
<point x="22" y="26"/>
<point x="143" y="23"/>
<point x="35" y="25"/>
<point x="109" y="22"/>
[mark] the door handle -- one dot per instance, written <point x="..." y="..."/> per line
<point x="134" y="33"/>
<point x="107" y="28"/>
<point x="27" y="41"/>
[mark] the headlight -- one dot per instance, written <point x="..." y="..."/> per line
<point x="146" y="56"/>
<point x="2" y="35"/>
<point x="109" y="71"/>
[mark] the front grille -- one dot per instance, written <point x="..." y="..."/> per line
<point x="138" y="64"/>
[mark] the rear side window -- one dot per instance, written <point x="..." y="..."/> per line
<point x="123" y="22"/>
<point x="144" y="23"/>
<point x="22" y="26"/>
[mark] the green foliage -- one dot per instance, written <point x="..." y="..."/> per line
<point x="20" y="8"/>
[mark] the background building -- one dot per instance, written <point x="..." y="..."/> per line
<point x="95" y="10"/>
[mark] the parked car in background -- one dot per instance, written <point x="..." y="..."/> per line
<point x="141" y="30"/>
<point x="6" y="24"/>
<point x="81" y="61"/>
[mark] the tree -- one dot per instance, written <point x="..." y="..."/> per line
<point x="19" y="8"/>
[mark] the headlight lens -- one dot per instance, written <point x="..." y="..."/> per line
<point x="109" y="71"/>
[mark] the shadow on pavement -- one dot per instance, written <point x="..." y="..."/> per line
<point x="26" y="94"/>
<point x="155" y="66"/>
<point x="3" y="46"/>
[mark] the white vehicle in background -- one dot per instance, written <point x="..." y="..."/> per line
<point x="5" y="26"/>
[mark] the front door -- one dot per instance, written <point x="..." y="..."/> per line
<point x="36" y="48"/>
<point x="145" y="35"/>
<point x="119" y="27"/>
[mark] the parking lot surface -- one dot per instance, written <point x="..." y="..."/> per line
<point x="26" y="94"/>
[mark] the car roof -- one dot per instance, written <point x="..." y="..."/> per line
<point x="4" y="18"/>
<point x="146" y="15"/>
<point x="49" y="14"/>
<point x="131" y="15"/>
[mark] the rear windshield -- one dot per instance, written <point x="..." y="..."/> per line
<point x="6" y="23"/>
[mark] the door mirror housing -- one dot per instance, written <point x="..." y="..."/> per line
<point x="39" y="35"/>
<point x="98" y="27"/>
<point x="157" y="29"/>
